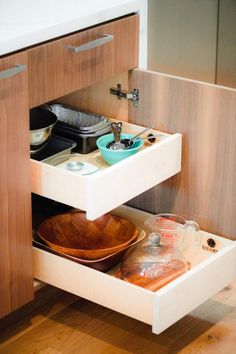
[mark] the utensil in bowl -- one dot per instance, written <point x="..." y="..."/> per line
<point x="117" y="144"/>
<point x="42" y="122"/>
<point x="129" y="142"/>
<point x="114" y="156"/>
<point x="71" y="233"/>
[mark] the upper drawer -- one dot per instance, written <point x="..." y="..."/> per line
<point x="113" y="185"/>
<point x="76" y="61"/>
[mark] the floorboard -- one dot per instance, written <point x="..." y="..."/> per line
<point x="71" y="325"/>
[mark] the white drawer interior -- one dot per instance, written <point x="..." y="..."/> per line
<point x="113" y="185"/>
<point x="210" y="272"/>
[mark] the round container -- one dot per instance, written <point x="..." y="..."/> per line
<point x="114" y="156"/>
<point x="41" y="123"/>
<point x="76" y="163"/>
<point x="153" y="264"/>
<point x="71" y="233"/>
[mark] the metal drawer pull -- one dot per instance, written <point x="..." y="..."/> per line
<point x="12" y="71"/>
<point x="93" y="44"/>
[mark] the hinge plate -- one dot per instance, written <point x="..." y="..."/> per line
<point x="132" y="96"/>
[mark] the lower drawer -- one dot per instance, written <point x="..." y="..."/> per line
<point x="210" y="272"/>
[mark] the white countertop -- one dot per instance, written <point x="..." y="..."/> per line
<point x="24" y="23"/>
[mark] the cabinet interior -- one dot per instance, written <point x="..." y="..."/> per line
<point x="204" y="114"/>
<point x="97" y="98"/>
<point x="196" y="253"/>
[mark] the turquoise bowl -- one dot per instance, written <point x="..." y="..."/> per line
<point x="114" y="156"/>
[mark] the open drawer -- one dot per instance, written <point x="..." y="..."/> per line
<point x="113" y="185"/>
<point x="210" y="273"/>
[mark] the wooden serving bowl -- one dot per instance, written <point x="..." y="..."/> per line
<point x="102" y="264"/>
<point x="71" y="233"/>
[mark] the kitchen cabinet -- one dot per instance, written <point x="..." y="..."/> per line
<point x="125" y="180"/>
<point x="100" y="58"/>
<point x="95" y="64"/>
<point x="195" y="106"/>
<point x="162" y="98"/>
<point x="16" y="279"/>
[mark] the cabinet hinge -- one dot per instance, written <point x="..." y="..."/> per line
<point x="132" y="96"/>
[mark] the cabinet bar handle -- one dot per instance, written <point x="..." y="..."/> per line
<point x="92" y="44"/>
<point x="12" y="71"/>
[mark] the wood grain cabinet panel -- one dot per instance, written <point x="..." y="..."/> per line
<point x="63" y="66"/>
<point x="16" y="280"/>
<point x="205" y="115"/>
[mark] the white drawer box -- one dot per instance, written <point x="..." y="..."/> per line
<point x="112" y="185"/>
<point x="210" y="272"/>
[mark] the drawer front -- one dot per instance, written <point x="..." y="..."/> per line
<point x="159" y="309"/>
<point x="106" y="189"/>
<point x="76" y="61"/>
<point x="16" y="286"/>
<point x="93" y="285"/>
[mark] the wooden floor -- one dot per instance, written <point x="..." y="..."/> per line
<point x="67" y="324"/>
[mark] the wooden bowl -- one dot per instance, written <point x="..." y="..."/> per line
<point x="102" y="264"/>
<point x="73" y="234"/>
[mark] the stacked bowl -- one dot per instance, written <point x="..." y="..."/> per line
<point x="99" y="244"/>
<point x="42" y="122"/>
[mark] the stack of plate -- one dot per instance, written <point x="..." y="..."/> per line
<point x="82" y="127"/>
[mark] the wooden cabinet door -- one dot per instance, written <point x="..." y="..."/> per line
<point x="16" y="281"/>
<point x="205" y="115"/>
